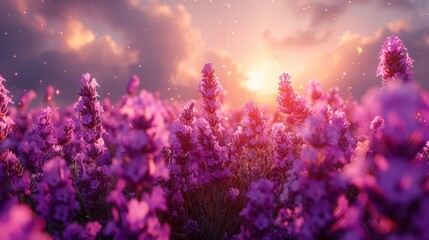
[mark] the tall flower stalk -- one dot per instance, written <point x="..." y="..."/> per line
<point x="395" y="63"/>
<point x="290" y="103"/>
<point x="57" y="196"/>
<point x="90" y="110"/>
<point x="6" y="122"/>
<point x="210" y="89"/>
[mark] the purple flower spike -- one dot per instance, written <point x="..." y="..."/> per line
<point x="5" y="121"/>
<point x="182" y="141"/>
<point x="66" y="134"/>
<point x="49" y="94"/>
<point x="90" y="110"/>
<point x="11" y="176"/>
<point x="19" y="222"/>
<point x="258" y="213"/>
<point x="133" y="85"/>
<point x="46" y="138"/>
<point x="214" y="159"/>
<point x="287" y="148"/>
<point x="187" y="117"/>
<point x="211" y="89"/>
<point x="75" y="231"/>
<point x="25" y="100"/>
<point x="57" y="196"/>
<point x="291" y="103"/>
<point x="394" y="61"/>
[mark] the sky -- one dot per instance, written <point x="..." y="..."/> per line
<point x="167" y="42"/>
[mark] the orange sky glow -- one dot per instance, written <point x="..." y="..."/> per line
<point x="166" y="43"/>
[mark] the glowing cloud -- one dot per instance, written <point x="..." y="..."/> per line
<point x="79" y="36"/>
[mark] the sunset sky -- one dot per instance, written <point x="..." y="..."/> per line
<point x="167" y="42"/>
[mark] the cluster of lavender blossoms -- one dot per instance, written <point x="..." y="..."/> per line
<point x="5" y="121"/>
<point x="315" y="167"/>
<point x="395" y="64"/>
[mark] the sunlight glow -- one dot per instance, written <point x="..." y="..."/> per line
<point x="262" y="77"/>
<point x="255" y="81"/>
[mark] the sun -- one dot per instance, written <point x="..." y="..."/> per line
<point x="262" y="79"/>
<point x="255" y="81"/>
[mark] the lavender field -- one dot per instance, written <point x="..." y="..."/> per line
<point x="316" y="167"/>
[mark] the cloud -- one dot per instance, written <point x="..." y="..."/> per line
<point x="321" y="12"/>
<point x="54" y="42"/>
<point x="300" y="39"/>
<point x="79" y="35"/>
<point x="352" y="64"/>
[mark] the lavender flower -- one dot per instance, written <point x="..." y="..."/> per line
<point x="5" y="121"/>
<point x="214" y="164"/>
<point x="191" y="228"/>
<point x="90" y="110"/>
<point x="315" y="91"/>
<point x="210" y="89"/>
<point x="182" y="163"/>
<point x="258" y="213"/>
<point x="250" y="141"/>
<point x="404" y="111"/>
<point x="140" y="221"/>
<point x="16" y="181"/>
<point x="17" y="221"/>
<point x="56" y="200"/>
<point x="394" y="61"/>
<point x="46" y="138"/>
<point x="49" y="94"/>
<point x="133" y="85"/>
<point x="93" y="183"/>
<point x="25" y="100"/>
<point x="75" y="231"/>
<point x="141" y="161"/>
<point x="181" y="134"/>
<point x="254" y="126"/>
<point x="233" y="194"/>
<point x="66" y="135"/>
<point x="320" y="130"/>
<point x="10" y="175"/>
<point x="290" y="103"/>
<point x="287" y="150"/>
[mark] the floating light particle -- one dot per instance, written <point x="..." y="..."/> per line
<point x="57" y="92"/>
<point x="359" y="50"/>
<point x="229" y="73"/>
